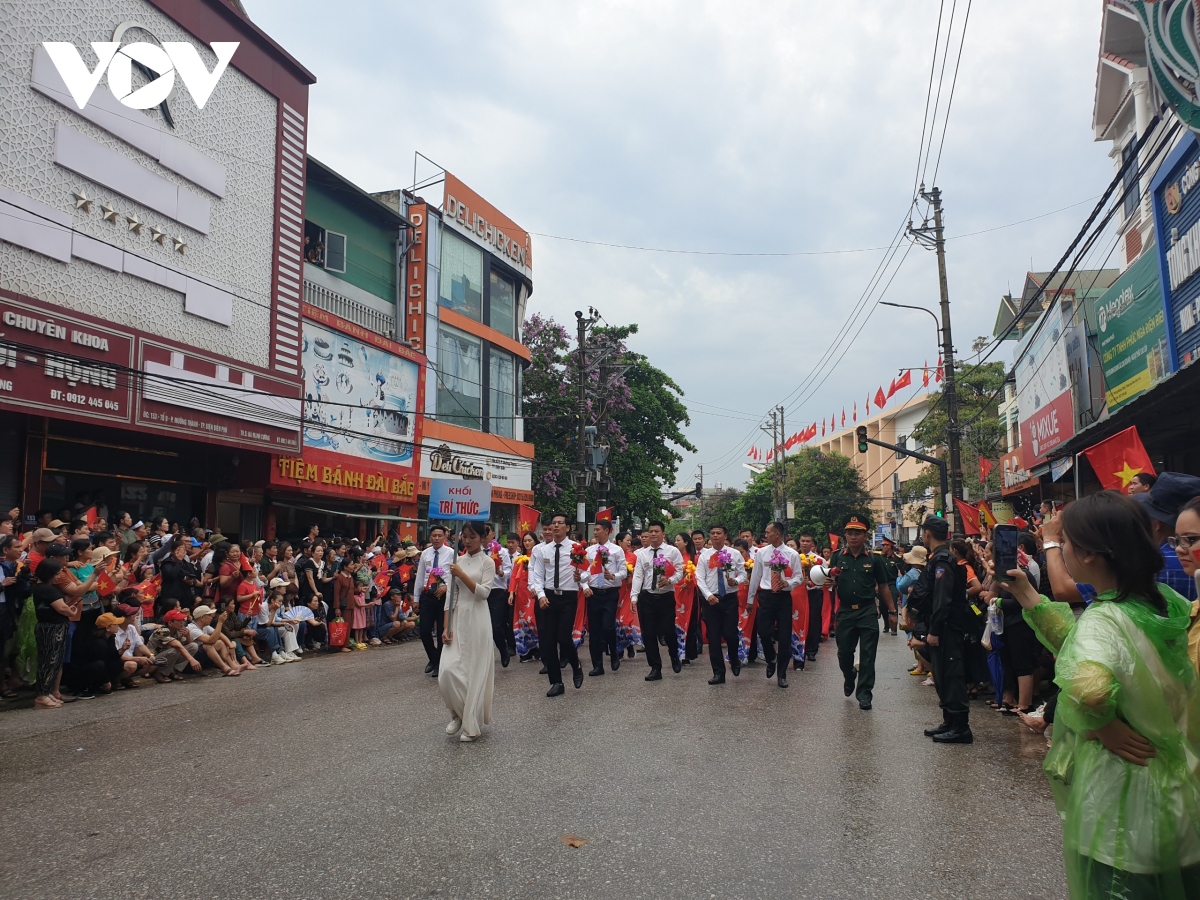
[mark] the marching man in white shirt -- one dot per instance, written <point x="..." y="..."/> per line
<point x="556" y="584"/>
<point x="719" y="571"/>
<point x="776" y="572"/>
<point x="658" y="569"/>
<point x="606" y="565"/>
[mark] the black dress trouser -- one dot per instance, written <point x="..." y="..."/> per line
<point x="554" y="633"/>
<point x="816" y="608"/>
<point x="950" y="677"/>
<point x="433" y="619"/>
<point x="774" y="624"/>
<point x="656" y="613"/>
<point x="721" y="622"/>
<point x="602" y="624"/>
<point x="501" y="613"/>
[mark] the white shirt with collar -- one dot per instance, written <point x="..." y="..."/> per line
<point x="614" y="569"/>
<point x="760" y="576"/>
<point x="643" y="569"/>
<point x="444" y="557"/>
<point x="706" y="577"/>
<point x="504" y="570"/>
<point x="128" y="640"/>
<point x="541" y="570"/>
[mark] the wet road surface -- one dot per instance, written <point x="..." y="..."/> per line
<point x="333" y="777"/>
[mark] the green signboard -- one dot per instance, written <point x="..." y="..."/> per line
<point x="1127" y="322"/>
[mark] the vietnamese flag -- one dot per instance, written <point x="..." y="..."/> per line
<point x="843" y="417"/>
<point x="834" y="540"/>
<point x="1118" y="459"/>
<point x="985" y="469"/>
<point x="937" y="376"/>
<point x="527" y="519"/>
<point x="880" y="399"/>
<point x="89" y="516"/>
<point x="383" y="580"/>
<point x="925" y="375"/>
<point x="986" y="516"/>
<point x="903" y="381"/>
<point x="970" y="517"/>
<point x="105" y="586"/>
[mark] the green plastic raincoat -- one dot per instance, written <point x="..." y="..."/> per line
<point x="1129" y="831"/>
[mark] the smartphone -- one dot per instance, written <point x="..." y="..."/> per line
<point x="1005" y="552"/>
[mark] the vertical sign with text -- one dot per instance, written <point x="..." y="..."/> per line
<point x="415" y="300"/>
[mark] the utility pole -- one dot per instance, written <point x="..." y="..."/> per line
<point x="582" y="476"/>
<point x="781" y="452"/>
<point x="774" y="432"/>
<point x="935" y="237"/>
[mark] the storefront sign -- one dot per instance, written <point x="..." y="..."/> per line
<point x="329" y="320"/>
<point x="331" y="473"/>
<point x="443" y="461"/>
<point x="359" y="401"/>
<point x="414" y="303"/>
<point x="499" y="494"/>
<point x="458" y="500"/>
<point x="1014" y="477"/>
<point x="469" y="214"/>
<point x="1128" y="323"/>
<point x="1177" y="222"/>
<point x="1044" y="389"/>
<point x="63" y="363"/>
<point x="1003" y="511"/>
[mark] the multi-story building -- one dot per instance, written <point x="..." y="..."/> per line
<point x="883" y="471"/>
<point x="151" y="237"/>
<point x="466" y="284"/>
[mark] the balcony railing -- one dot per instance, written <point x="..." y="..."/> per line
<point x="351" y="310"/>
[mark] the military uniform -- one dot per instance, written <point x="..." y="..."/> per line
<point x="857" y="618"/>
<point x="944" y="584"/>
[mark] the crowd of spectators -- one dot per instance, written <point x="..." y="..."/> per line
<point x="89" y="607"/>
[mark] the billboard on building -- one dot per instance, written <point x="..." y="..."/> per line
<point x="1177" y="221"/>
<point x="359" y="399"/>
<point x="1128" y="324"/>
<point x="1044" y="389"/>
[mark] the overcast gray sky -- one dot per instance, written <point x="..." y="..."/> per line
<point x="748" y="127"/>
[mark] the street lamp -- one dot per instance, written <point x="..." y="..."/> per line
<point x="928" y="312"/>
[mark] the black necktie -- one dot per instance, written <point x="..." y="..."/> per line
<point x="654" y="582"/>
<point x="557" y="556"/>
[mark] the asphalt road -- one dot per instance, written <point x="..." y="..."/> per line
<point x="334" y="778"/>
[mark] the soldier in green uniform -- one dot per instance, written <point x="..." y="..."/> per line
<point x="858" y="575"/>
<point x="887" y="553"/>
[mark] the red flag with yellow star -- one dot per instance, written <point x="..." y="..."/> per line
<point x="1118" y="459"/>
<point x="527" y="519"/>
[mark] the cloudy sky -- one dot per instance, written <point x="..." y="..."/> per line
<point x="756" y="127"/>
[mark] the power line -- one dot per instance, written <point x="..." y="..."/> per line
<point x="953" y="84"/>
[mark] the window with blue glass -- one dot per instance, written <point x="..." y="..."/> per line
<point x="462" y="277"/>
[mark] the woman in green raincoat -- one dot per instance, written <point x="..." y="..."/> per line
<point x="1123" y="765"/>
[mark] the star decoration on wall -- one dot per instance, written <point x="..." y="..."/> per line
<point x="82" y="201"/>
<point x="159" y="237"/>
<point x="180" y="246"/>
<point x="135" y="224"/>
<point x="110" y="214"/>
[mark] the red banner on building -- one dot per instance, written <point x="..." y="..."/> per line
<point x="322" y="472"/>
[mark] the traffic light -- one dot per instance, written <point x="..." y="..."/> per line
<point x="699" y="488"/>
<point x="862" y="438"/>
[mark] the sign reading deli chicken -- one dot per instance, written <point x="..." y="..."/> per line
<point x="472" y="216"/>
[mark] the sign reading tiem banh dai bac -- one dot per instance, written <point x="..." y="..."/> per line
<point x="1127" y="322"/>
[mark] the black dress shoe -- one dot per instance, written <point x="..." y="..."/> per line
<point x="616" y="661"/>
<point x="736" y="669"/>
<point x="630" y="651"/>
<point x="655" y="675"/>
<point x="525" y="657"/>
<point x="543" y="671"/>
<point x="596" y="671"/>
<point x="578" y="678"/>
<point x="940" y="729"/>
<point x="955" y="736"/>
<point x="555" y="690"/>
<point x="718" y="678"/>
<point x="848" y="687"/>
<point x="429" y="669"/>
<point x="504" y="658"/>
<point x="434" y="673"/>
<point x="686" y="662"/>
<point x="864" y="704"/>
<point x="782" y="680"/>
<point x="770" y="669"/>
<point x="676" y="666"/>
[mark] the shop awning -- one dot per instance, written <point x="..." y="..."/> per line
<point x="1161" y="415"/>
<point x="348" y="513"/>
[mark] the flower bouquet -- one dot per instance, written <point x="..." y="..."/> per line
<point x="579" y="555"/>
<point x="689" y="573"/>
<point x="664" y="567"/>
<point x="600" y="561"/>
<point x="779" y="566"/>
<point x="437" y="578"/>
<point x="722" y="559"/>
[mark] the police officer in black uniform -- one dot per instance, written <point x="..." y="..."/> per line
<point x="944" y="585"/>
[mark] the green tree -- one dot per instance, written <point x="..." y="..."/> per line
<point x="979" y="388"/>
<point x="826" y="489"/>
<point x="637" y="408"/>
